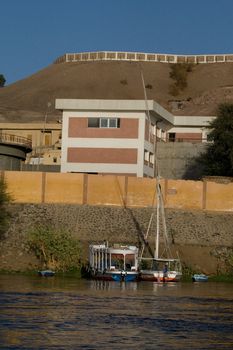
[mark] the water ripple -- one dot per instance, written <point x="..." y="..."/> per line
<point x="70" y="314"/>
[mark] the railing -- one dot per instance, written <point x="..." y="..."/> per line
<point x="15" y="140"/>
<point x="39" y="150"/>
<point x="140" y="56"/>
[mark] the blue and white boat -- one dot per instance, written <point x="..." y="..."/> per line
<point x="116" y="263"/>
<point x="199" y="278"/>
<point x="46" y="273"/>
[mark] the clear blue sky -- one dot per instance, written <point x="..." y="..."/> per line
<point x="35" y="32"/>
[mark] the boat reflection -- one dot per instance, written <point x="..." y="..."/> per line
<point x="112" y="285"/>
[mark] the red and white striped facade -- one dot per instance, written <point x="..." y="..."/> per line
<point x="112" y="136"/>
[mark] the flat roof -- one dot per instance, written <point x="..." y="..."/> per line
<point x="132" y="105"/>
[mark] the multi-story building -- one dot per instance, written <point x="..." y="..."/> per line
<point x="120" y="136"/>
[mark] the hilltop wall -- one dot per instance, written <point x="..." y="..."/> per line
<point x="142" y="57"/>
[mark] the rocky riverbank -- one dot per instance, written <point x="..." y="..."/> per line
<point x="203" y="240"/>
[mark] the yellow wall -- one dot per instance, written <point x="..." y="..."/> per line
<point x="140" y="192"/>
<point x="219" y="196"/>
<point x="105" y="190"/>
<point x="184" y="194"/>
<point x="24" y="187"/>
<point x="36" y="187"/>
<point x="63" y="188"/>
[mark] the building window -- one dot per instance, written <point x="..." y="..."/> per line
<point x="163" y="135"/>
<point x="112" y="123"/>
<point x="93" y="122"/>
<point x="47" y="137"/>
<point x="208" y="138"/>
<point x="103" y="123"/>
<point x="109" y="123"/>
<point x="146" y="155"/>
<point x="151" y="159"/>
<point x="171" y="136"/>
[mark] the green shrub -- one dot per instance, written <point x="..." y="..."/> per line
<point x="149" y="86"/>
<point x="187" y="272"/>
<point x="179" y="73"/>
<point x="56" y="249"/>
<point x="4" y="200"/>
<point x="2" y="80"/>
<point x="124" y="82"/>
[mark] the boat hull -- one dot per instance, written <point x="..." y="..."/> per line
<point x="159" y="276"/>
<point x="46" y="273"/>
<point x="199" y="278"/>
<point x="117" y="276"/>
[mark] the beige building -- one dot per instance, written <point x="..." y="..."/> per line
<point x="105" y="136"/>
<point x="45" y="140"/>
<point x="119" y="136"/>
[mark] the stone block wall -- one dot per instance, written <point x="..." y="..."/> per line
<point x="200" y="238"/>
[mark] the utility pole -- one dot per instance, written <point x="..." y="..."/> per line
<point x="42" y="134"/>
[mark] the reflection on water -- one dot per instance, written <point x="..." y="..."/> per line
<point x="66" y="313"/>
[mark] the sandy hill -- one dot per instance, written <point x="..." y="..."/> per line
<point x="27" y="99"/>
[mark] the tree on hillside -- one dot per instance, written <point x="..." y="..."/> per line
<point x="4" y="200"/>
<point x="2" y="80"/>
<point x="218" y="159"/>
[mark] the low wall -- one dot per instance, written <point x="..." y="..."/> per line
<point x="119" y="191"/>
<point x="142" y="56"/>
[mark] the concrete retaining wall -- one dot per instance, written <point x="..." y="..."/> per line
<point x="177" y="160"/>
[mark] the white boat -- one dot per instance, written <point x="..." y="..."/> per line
<point x="157" y="272"/>
<point x="46" y="273"/>
<point x="116" y="263"/>
<point x="199" y="278"/>
<point x="158" y="266"/>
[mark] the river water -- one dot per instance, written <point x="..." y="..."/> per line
<point x="67" y="313"/>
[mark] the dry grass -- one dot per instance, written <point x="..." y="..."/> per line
<point x="27" y="99"/>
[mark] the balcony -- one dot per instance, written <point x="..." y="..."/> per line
<point x="17" y="141"/>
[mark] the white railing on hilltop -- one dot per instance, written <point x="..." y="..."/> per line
<point x="140" y="56"/>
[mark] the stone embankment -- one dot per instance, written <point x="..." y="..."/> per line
<point x="203" y="240"/>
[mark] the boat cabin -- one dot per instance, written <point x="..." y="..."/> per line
<point x="118" y="257"/>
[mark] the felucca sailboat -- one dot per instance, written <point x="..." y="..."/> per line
<point x="162" y="266"/>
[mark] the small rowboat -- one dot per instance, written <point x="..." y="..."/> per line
<point x="46" y="273"/>
<point x="199" y="278"/>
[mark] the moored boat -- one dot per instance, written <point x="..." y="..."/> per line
<point x="199" y="278"/>
<point x="159" y="267"/>
<point x="46" y="273"/>
<point x="116" y="263"/>
<point x="161" y="270"/>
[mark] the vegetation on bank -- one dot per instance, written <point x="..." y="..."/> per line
<point x="218" y="159"/>
<point x="4" y="214"/>
<point x="227" y="276"/>
<point x="56" y="249"/>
